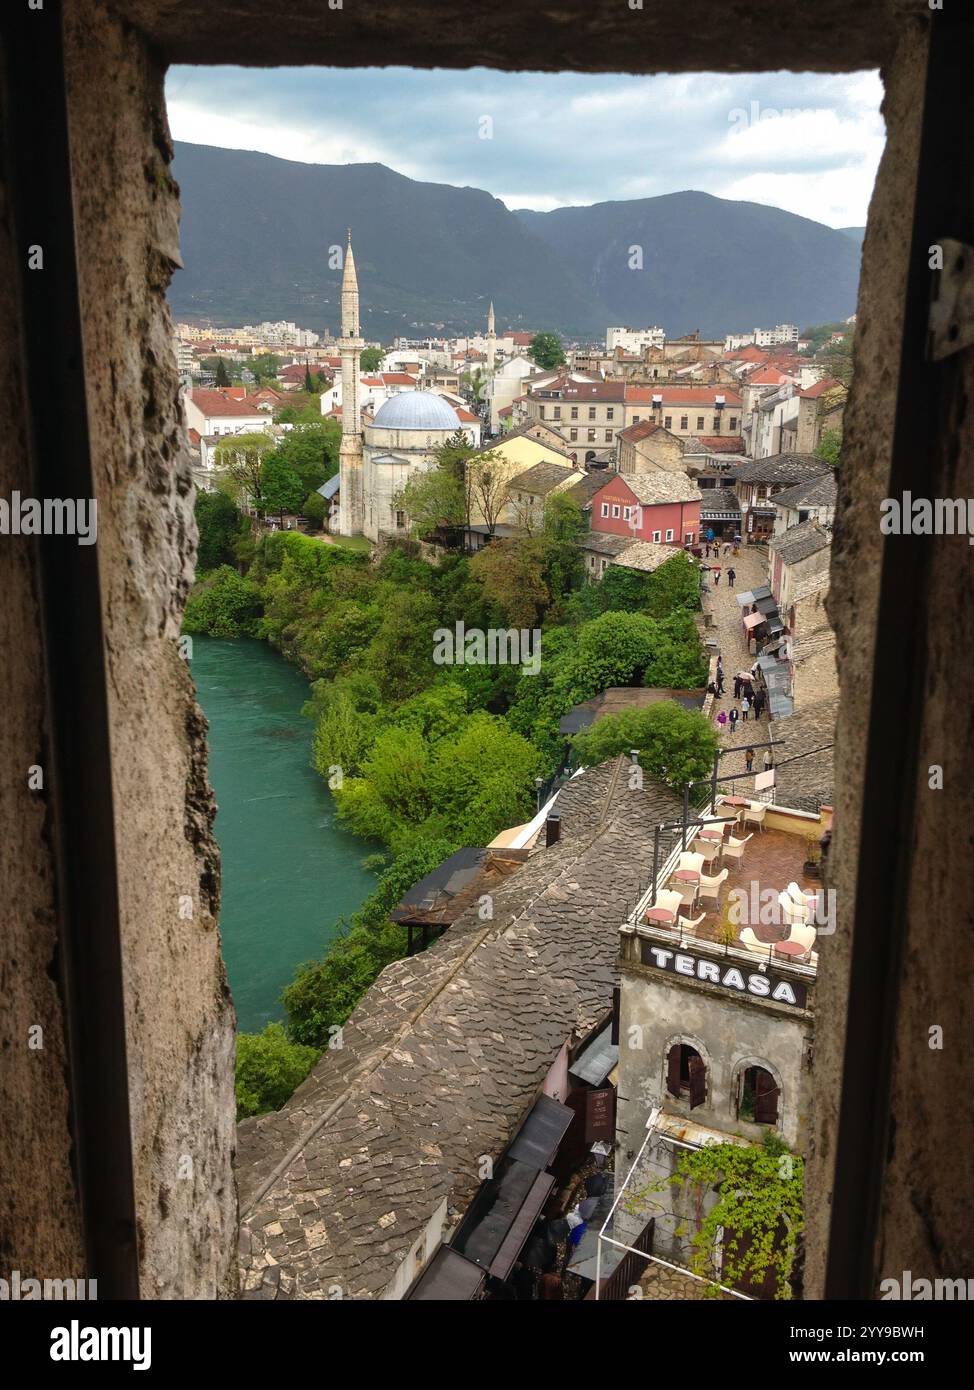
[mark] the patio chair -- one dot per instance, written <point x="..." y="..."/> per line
<point x="708" y="850"/>
<point x="686" y="891"/>
<point x="734" y="849"/>
<point x="791" y="912"/>
<point x="691" y="861"/>
<point x="669" y="899"/>
<point x="754" y="813"/>
<point x="710" y="887"/>
<point x="689" y="926"/>
<point x="804" y="935"/>
<point x="751" y="942"/>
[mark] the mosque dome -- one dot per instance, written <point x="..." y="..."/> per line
<point x="416" y="410"/>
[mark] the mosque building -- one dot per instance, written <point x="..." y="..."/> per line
<point x="376" y="461"/>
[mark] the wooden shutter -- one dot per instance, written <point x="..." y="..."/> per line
<point x="698" y="1081"/>
<point x="673" y="1071"/>
<point x="765" y="1097"/>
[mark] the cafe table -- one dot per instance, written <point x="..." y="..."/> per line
<point x="790" y="948"/>
<point x="660" y="914"/>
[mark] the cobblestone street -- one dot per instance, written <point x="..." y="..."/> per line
<point x="750" y="569"/>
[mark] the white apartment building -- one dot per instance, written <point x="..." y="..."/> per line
<point x="634" y="339"/>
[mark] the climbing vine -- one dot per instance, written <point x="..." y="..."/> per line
<point x="758" y="1216"/>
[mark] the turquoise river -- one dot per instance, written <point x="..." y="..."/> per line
<point x="289" y="870"/>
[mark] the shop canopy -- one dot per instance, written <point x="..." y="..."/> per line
<point x="753" y="620"/>
<point x="448" y="1277"/>
<point x="538" y="1138"/>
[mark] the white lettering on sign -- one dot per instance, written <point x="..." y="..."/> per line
<point x="762" y="986"/>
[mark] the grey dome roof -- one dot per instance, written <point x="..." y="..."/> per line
<point x="416" y="410"/>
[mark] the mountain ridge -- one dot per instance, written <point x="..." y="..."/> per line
<point x="257" y="231"/>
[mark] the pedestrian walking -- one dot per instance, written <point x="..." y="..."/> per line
<point x="749" y="758"/>
<point x="720" y="682"/>
<point x="737" y="687"/>
<point x="732" y="719"/>
<point x="758" y="704"/>
<point x="720" y="662"/>
<point x="731" y="576"/>
<point x="768" y="760"/>
<point x="748" y="689"/>
<point x="722" y="720"/>
<point x="726" y="547"/>
<point x="745" y="706"/>
<point x="716" y="574"/>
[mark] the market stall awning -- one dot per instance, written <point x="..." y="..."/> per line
<point x="448" y="1277"/>
<point x="753" y="620"/>
<point x="538" y="1138"/>
<point x="522" y="1226"/>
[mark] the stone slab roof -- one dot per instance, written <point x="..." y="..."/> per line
<point x="808" y="783"/>
<point x="443" y="1057"/>
<point x="819" y="491"/>
<point x="800" y="542"/>
<point x="786" y="469"/>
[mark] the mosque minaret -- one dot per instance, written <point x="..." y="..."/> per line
<point x="350" y="346"/>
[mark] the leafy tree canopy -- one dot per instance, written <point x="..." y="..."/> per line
<point x="370" y="358"/>
<point x="546" y="351"/>
<point x="675" y="745"/>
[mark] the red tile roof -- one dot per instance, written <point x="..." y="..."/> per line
<point x="766" y="376"/>
<point x="214" y="404"/>
<point x="820" y="387"/>
<point x="722" y="443"/>
<point x="681" y="395"/>
<point x="634" y="433"/>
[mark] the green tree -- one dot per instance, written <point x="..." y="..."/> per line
<point x="239" y="459"/>
<point x="220" y="526"/>
<point x="311" y="449"/>
<point x="269" y="1068"/>
<point x="370" y="358"/>
<point x="223" y="604"/>
<point x="433" y="501"/>
<point x="282" y="490"/>
<point x="546" y="351"/>
<point x="513" y="575"/>
<point x="265" y="366"/>
<point x="222" y="375"/>
<point x="314" y="508"/>
<point x="309" y="385"/>
<point x="675" y="745"/>
<point x="829" y="447"/>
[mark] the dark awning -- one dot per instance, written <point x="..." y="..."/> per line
<point x="494" y="1211"/>
<point x="448" y="1278"/>
<point x="538" y="1138"/>
<point x="522" y="1226"/>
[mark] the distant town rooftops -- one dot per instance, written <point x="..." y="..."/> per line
<point x="215" y="404"/>
<point x="659" y="485"/>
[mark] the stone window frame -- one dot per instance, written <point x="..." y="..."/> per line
<point x="700" y="1047"/>
<point x="737" y="1069"/>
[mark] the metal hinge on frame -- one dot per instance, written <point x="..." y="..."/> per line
<point x="951" y="321"/>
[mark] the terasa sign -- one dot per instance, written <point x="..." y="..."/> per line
<point x="758" y="985"/>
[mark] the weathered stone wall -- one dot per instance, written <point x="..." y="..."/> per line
<point x="180" y="1017"/>
<point x="40" y="1231"/>
<point x="852" y="604"/>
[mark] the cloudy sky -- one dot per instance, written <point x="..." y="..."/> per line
<point x="804" y="142"/>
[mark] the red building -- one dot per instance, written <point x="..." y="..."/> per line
<point x="655" y="506"/>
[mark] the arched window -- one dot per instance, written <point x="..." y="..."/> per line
<point x="686" y="1074"/>
<point x="757" y="1096"/>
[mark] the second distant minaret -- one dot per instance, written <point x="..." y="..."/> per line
<point x="351" y="495"/>
<point x="490" y="339"/>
